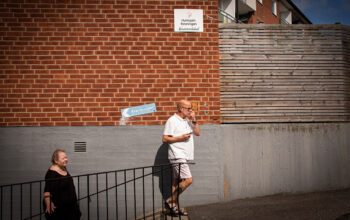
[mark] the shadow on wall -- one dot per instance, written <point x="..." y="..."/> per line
<point x="344" y="217"/>
<point x="162" y="171"/>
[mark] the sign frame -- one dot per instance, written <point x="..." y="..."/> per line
<point x="188" y="20"/>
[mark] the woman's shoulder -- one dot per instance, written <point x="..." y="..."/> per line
<point x="53" y="172"/>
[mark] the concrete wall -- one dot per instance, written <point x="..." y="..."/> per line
<point x="26" y="153"/>
<point x="232" y="161"/>
<point x="265" y="159"/>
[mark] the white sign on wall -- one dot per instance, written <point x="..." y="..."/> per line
<point x="188" y="20"/>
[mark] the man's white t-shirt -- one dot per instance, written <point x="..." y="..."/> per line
<point x="177" y="126"/>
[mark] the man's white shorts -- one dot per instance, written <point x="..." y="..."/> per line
<point x="185" y="172"/>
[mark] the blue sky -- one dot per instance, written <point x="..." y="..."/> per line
<point x="325" y="11"/>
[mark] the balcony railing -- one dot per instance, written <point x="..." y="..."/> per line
<point x="137" y="193"/>
<point x="284" y="21"/>
<point x="226" y="17"/>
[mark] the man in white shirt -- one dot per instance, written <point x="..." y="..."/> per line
<point x="178" y="134"/>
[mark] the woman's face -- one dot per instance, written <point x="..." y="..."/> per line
<point x="62" y="159"/>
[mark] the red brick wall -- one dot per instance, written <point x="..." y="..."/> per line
<point x="264" y="13"/>
<point x="79" y="62"/>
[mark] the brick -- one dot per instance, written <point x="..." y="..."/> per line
<point x="61" y="124"/>
<point x="125" y="53"/>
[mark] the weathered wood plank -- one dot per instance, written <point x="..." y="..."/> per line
<point x="279" y="73"/>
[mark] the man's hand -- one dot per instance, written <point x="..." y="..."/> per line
<point x="184" y="137"/>
<point x="192" y="116"/>
<point x="171" y="139"/>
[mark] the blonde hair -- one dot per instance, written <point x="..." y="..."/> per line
<point x="54" y="157"/>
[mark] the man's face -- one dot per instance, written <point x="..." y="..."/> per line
<point x="186" y="109"/>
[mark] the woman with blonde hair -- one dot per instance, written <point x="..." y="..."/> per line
<point x="60" y="199"/>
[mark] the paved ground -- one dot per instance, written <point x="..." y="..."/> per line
<point x="330" y="205"/>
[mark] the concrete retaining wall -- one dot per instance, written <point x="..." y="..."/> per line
<point x="276" y="158"/>
<point x="232" y="161"/>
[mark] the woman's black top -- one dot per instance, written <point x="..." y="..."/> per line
<point x="63" y="195"/>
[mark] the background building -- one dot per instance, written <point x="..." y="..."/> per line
<point x="261" y="11"/>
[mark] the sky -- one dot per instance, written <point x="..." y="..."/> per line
<point x="325" y="11"/>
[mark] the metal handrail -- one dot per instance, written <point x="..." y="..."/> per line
<point x="15" y="196"/>
<point x="96" y="173"/>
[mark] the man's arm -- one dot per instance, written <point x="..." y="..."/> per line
<point x="194" y="124"/>
<point x="169" y="139"/>
<point x="195" y="128"/>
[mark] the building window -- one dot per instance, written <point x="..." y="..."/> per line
<point x="274" y="7"/>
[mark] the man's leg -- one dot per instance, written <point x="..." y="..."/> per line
<point x="178" y="188"/>
<point x="182" y="179"/>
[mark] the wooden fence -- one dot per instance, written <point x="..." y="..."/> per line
<point x="284" y="73"/>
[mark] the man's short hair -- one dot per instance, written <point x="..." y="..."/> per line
<point x="179" y="105"/>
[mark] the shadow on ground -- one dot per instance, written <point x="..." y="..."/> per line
<point x="329" y="205"/>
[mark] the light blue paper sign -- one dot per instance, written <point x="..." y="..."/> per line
<point x="138" y="110"/>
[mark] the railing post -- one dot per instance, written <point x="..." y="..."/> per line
<point x="40" y="198"/>
<point x="97" y="204"/>
<point x="162" y="186"/>
<point x="126" y="204"/>
<point x="21" y="201"/>
<point x="143" y="190"/>
<point x="1" y="202"/>
<point x="107" y="195"/>
<point x="134" y="193"/>
<point x="178" y="190"/>
<point x="116" y="194"/>
<point x="11" y="202"/>
<point x="153" y="210"/>
<point x="30" y="197"/>
<point x="88" y="194"/>
<point x="171" y="183"/>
